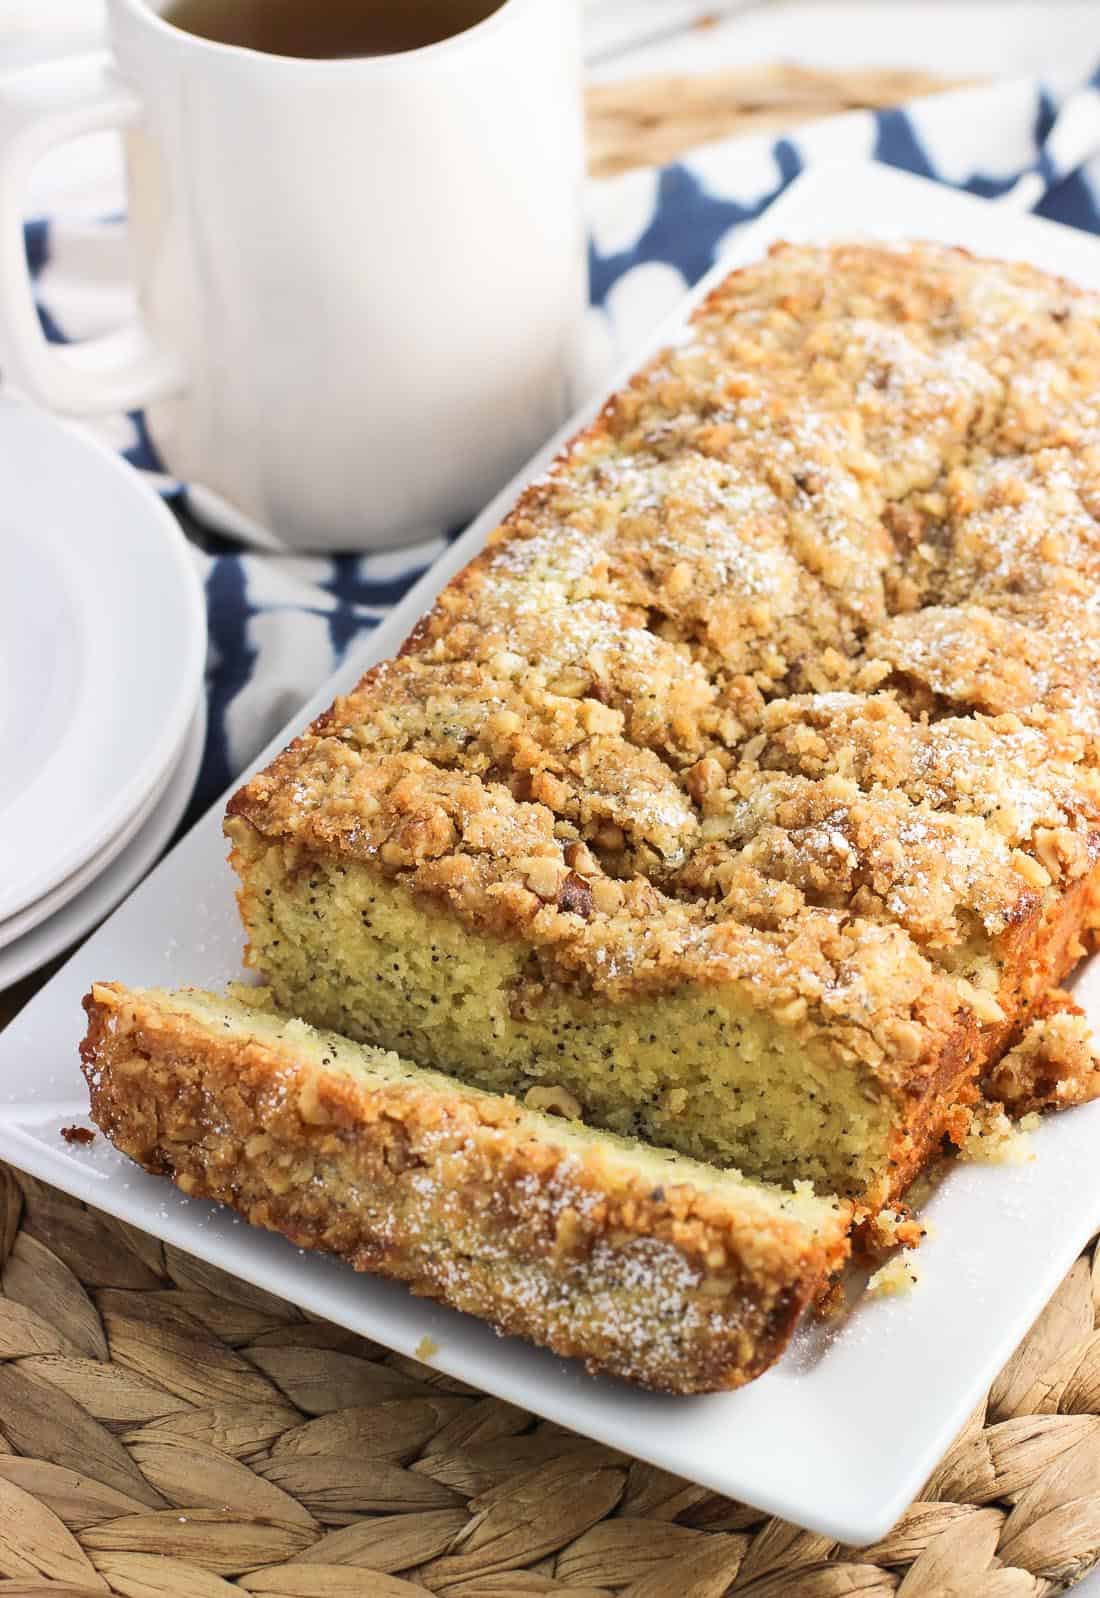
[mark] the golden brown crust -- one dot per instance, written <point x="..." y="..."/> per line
<point x="786" y="675"/>
<point x="674" y="1287"/>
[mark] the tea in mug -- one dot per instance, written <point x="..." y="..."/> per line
<point x="328" y="29"/>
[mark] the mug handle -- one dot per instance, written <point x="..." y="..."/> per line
<point x="40" y="107"/>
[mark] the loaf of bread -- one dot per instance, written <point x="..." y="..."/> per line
<point x="742" y="797"/>
<point x="746" y="787"/>
<point x="647" y="1265"/>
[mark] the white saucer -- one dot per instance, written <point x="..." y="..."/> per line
<point x="102" y="643"/>
<point x="23" y="921"/>
<point x="83" y="911"/>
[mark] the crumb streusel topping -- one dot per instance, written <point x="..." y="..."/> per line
<point x="787" y="672"/>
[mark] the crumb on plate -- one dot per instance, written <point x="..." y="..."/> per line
<point x="994" y="1139"/>
<point x="899" y="1275"/>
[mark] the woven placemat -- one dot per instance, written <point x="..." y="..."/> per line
<point x="648" y="121"/>
<point x="169" y="1432"/>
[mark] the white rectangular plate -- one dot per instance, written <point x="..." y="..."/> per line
<point x="842" y="1433"/>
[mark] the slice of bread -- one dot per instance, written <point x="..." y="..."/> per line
<point x="647" y="1265"/>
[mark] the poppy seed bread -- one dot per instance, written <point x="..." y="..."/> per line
<point x="746" y="785"/>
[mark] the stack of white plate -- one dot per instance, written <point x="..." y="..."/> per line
<point x="102" y="712"/>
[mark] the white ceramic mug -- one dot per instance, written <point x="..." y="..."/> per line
<point x="361" y="280"/>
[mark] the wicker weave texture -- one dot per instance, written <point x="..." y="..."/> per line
<point x="169" y="1432"/>
<point x="647" y="121"/>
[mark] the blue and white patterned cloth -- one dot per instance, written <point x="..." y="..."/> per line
<point x="280" y="623"/>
